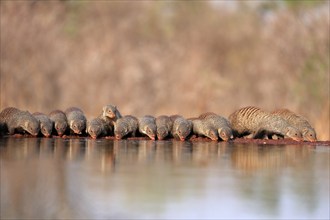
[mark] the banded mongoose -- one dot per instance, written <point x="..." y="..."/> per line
<point x="127" y="125"/>
<point x="202" y="128"/>
<point x="99" y="127"/>
<point x="307" y="131"/>
<point x="14" y="120"/>
<point x="76" y="120"/>
<point x="46" y="125"/>
<point x="221" y="124"/>
<point x="164" y="126"/>
<point x="256" y="122"/>
<point x="59" y="120"/>
<point x="147" y="126"/>
<point x="112" y="112"/>
<point x="181" y="127"/>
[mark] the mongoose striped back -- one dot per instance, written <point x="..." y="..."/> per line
<point x="14" y="120"/>
<point x="246" y="120"/>
<point x="7" y="114"/>
<point x="253" y="120"/>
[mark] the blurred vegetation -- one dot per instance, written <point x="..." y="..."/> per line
<point x="167" y="57"/>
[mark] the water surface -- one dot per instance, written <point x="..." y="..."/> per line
<point x="44" y="178"/>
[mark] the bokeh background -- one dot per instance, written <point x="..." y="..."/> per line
<point x="167" y="57"/>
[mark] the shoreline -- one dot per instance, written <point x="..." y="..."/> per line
<point x="193" y="138"/>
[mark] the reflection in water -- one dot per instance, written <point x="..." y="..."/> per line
<point x="85" y="178"/>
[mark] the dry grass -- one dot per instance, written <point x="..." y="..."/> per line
<point x="165" y="57"/>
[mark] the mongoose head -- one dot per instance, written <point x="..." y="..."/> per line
<point x="109" y="111"/>
<point x="184" y="129"/>
<point x="225" y="134"/>
<point x="32" y="126"/>
<point x="161" y="133"/>
<point x="212" y="134"/>
<point x="77" y="126"/>
<point x="61" y="127"/>
<point x="121" y="129"/>
<point x="309" y="134"/>
<point x="293" y="133"/>
<point x="94" y="130"/>
<point x="150" y="131"/>
<point x="46" y="129"/>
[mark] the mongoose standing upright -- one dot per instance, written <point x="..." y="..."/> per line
<point x="181" y="127"/>
<point x="46" y="125"/>
<point x="99" y="127"/>
<point x="14" y="120"/>
<point x="164" y="126"/>
<point x="111" y="112"/>
<point x="76" y="120"/>
<point x="59" y="120"/>
<point x="221" y="124"/>
<point x="256" y="122"/>
<point x="308" y="132"/>
<point x="147" y="126"/>
<point x="127" y="125"/>
<point x="202" y="128"/>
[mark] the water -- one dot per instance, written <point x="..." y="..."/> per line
<point x="104" y="179"/>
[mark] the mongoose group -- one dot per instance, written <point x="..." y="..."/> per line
<point x="247" y="122"/>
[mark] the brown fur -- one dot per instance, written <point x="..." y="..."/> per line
<point x="299" y="122"/>
<point x="257" y="122"/>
